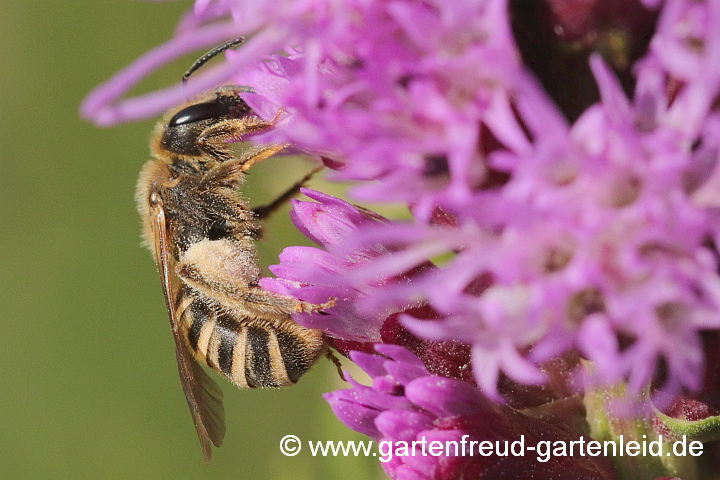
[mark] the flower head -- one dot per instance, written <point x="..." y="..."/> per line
<point x="543" y="226"/>
<point x="406" y="408"/>
<point x="315" y="274"/>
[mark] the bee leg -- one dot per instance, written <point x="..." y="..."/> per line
<point x="231" y="172"/>
<point x="220" y="270"/>
<point x="336" y="361"/>
<point x="267" y="210"/>
<point x="255" y="300"/>
<point x="257" y="154"/>
<point x="214" y="139"/>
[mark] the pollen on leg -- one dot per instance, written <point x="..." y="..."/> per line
<point x="307" y="307"/>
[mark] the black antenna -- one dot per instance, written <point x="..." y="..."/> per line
<point x="209" y="55"/>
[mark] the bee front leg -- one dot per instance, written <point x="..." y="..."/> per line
<point x="214" y="139"/>
<point x="232" y="171"/>
<point x="257" y="154"/>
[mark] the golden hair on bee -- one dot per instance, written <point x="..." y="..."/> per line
<point x="202" y="235"/>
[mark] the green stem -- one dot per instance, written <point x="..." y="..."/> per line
<point x="624" y="431"/>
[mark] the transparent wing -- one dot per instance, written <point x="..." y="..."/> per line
<point x="204" y="398"/>
<point x="202" y="394"/>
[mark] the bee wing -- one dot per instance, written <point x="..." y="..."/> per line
<point x="203" y="395"/>
<point x="204" y="398"/>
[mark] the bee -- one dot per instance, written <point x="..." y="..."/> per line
<point x="202" y="235"/>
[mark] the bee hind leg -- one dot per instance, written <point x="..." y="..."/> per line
<point x="336" y="361"/>
<point x="225" y="272"/>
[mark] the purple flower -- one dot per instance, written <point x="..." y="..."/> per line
<point x="546" y="224"/>
<point x="315" y="275"/>
<point x="356" y="322"/>
<point x="594" y="234"/>
<point x="406" y="409"/>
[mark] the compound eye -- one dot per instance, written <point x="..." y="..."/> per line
<point x="199" y="111"/>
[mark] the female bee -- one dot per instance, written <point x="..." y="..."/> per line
<point x="202" y="236"/>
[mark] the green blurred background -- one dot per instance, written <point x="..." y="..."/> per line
<point x="88" y="383"/>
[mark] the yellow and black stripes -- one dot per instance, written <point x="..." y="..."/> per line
<point x="202" y="233"/>
<point x="250" y="353"/>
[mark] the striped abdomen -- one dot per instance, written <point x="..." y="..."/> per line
<point x="250" y="353"/>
